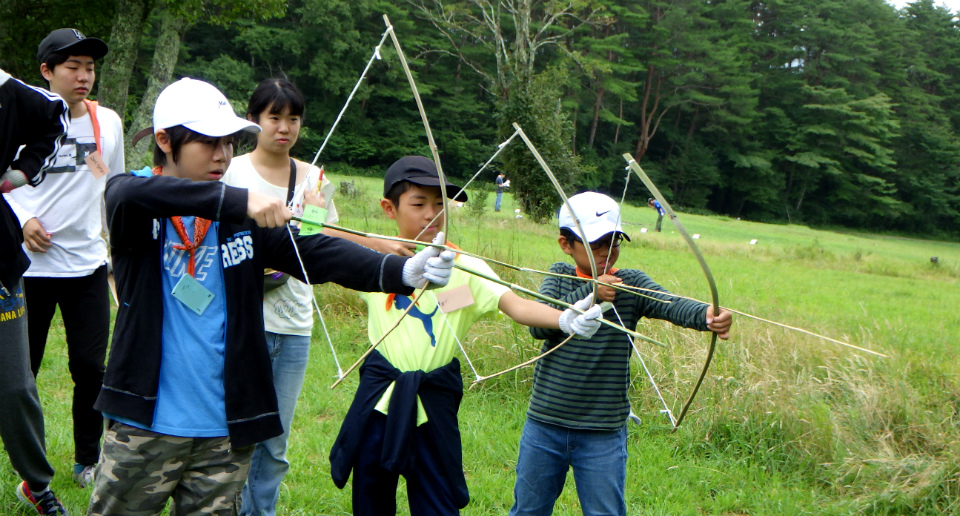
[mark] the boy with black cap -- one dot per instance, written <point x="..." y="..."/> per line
<point x="37" y="120"/>
<point x="188" y="388"/>
<point x="580" y="390"/>
<point x="62" y="231"/>
<point x="403" y="419"/>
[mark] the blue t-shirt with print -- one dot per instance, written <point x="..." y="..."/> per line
<point x="190" y="396"/>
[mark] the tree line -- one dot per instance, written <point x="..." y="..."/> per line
<point x="821" y="112"/>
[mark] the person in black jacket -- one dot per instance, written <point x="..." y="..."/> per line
<point x="188" y="388"/>
<point x="37" y="120"/>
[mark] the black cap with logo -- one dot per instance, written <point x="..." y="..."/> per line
<point x="71" y="42"/>
<point x="419" y="171"/>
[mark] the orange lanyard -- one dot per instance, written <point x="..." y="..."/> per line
<point x="200" y="227"/>
<point x="584" y="275"/>
<point x="92" y="109"/>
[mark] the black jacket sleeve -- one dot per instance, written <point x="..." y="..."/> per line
<point x="133" y="202"/>
<point x="331" y="259"/>
<point x="34" y="118"/>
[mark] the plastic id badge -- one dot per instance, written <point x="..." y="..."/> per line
<point x="192" y="294"/>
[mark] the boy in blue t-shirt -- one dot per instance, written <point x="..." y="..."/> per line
<point x="188" y="388"/>
<point x="655" y="204"/>
<point x="579" y="406"/>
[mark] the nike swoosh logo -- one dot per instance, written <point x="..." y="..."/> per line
<point x="600" y="214"/>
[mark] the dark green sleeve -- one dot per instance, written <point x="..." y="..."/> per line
<point x="567" y="290"/>
<point x="682" y="312"/>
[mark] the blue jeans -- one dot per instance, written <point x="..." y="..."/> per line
<point x="599" y="461"/>
<point x="288" y="355"/>
<point x="496" y="204"/>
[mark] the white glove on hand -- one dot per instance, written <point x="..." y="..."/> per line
<point x="429" y="266"/>
<point x="585" y="324"/>
<point x="11" y="180"/>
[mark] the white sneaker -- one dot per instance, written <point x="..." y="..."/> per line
<point x="84" y="475"/>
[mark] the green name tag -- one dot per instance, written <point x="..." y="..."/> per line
<point x="312" y="221"/>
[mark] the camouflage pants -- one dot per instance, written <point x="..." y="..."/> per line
<point x="139" y="470"/>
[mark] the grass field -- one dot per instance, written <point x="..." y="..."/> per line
<point x="785" y="423"/>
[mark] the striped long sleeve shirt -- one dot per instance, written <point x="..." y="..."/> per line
<point x="583" y="385"/>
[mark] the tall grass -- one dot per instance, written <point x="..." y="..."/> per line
<point x="784" y="424"/>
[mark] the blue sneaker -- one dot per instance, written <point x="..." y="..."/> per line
<point x="46" y="504"/>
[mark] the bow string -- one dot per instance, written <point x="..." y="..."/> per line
<point x="635" y="167"/>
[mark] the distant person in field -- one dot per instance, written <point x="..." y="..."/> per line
<point x="579" y="406"/>
<point x="62" y="232"/>
<point x="655" y="204"/>
<point x="403" y="419"/>
<point x="501" y="186"/>
<point x="33" y="124"/>
<point x="277" y="106"/>
<point x="188" y="389"/>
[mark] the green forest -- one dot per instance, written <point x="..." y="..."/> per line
<point x="828" y="113"/>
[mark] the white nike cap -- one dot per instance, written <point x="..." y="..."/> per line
<point x="598" y="214"/>
<point x="200" y="107"/>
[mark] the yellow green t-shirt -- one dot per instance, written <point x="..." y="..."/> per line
<point x="425" y="338"/>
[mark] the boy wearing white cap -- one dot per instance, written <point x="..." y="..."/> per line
<point x="188" y="388"/>
<point x="62" y="232"/>
<point x="403" y="419"/>
<point x="580" y="390"/>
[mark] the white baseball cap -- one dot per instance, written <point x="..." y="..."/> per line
<point x="200" y="107"/>
<point x="598" y="214"/>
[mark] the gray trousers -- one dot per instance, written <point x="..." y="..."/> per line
<point x="21" y="417"/>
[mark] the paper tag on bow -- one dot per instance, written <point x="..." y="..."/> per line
<point x="312" y="221"/>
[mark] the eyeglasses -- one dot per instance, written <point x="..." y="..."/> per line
<point x="610" y="242"/>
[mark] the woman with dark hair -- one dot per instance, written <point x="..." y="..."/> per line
<point x="278" y="107"/>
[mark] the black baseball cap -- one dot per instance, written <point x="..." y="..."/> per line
<point x="71" y="42"/>
<point x="419" y="171"/>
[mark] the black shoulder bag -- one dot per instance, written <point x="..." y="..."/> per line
<point x="273" y="279"/>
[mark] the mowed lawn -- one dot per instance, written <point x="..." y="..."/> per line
<point x="785" y="423"/>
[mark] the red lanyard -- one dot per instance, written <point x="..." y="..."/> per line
<point x="200" y="227"/>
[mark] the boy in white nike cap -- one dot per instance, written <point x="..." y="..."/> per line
<point x="580" y="390"/>
<point x="188" y="389"/>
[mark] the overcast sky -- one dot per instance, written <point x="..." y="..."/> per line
<point x="953" y="5"/>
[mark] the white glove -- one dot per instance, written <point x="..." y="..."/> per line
<point x="429" y="266"/>
<point x="11" y="180"/>
<point x="585" y="324"/>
